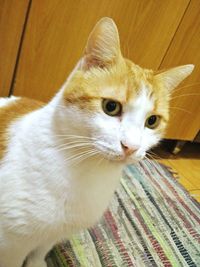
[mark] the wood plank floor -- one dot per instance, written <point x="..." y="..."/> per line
<point x="186" y="164"/>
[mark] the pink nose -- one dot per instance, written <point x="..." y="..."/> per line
<point x="129" y="150"/>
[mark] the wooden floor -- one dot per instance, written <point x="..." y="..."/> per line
<point x="186" y="164"/>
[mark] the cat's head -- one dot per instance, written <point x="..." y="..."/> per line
<point x="119" y="107"/>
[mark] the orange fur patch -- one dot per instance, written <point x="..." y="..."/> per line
<point x="121" y="82"/>
<point x="9" y="113"/>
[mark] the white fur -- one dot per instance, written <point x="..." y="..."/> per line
<point x="43" y="197"/>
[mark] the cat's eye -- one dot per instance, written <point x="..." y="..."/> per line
<point x="112" y="107"/>
<point x="152" y="121"/>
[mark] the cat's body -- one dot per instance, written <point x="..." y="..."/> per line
<point x="61" y="162"/>
<point x="42" y="198"/>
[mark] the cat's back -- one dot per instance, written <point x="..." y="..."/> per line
<point x="11" y="109"/>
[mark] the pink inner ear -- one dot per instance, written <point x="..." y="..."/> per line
<point x="90" y="62"/>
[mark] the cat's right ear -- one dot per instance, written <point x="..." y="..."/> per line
<point x="103" y="46"/>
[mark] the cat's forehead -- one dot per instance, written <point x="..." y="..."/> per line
<point x="126" y="84"/>
<point x="129" y="82"/>
<point x="127" y="94"/>
<point x="127" y="90"/>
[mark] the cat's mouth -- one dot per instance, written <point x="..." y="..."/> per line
<point x="119" y="155"/>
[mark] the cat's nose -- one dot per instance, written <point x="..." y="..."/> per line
<point x="129" y="150"/>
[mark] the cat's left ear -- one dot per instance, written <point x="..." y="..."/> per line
<point x="103" y="45"/>
<point x="173" y="77"/>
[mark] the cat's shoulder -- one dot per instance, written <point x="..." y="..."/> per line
<point x="11" y="109"/>
<point x="13" y="106"/>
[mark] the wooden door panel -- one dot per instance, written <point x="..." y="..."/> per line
<point x="184" y="49"/>
<point x="12" y="18"/>
<point x="57" y="32"/>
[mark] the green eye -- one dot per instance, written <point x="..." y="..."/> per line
<point x="111" y="107"/>
<point x="152" y="121"/>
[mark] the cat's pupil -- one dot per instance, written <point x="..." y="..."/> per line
<point x="152" y="120"/>
<point x="111" y="106"/>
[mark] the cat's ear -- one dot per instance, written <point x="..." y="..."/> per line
<point x="173" y="77"/>
<point x="103" y="45"/>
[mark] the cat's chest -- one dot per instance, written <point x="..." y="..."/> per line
<point x="91" y="194"/>
<point x="85" y="198"/>
<point x="61" y="199"/>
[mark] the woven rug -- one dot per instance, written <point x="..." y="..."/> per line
<point x="152" y="221"/>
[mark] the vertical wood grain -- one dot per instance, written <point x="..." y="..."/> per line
<point x="185" y="48"/>
<point x="12" y="17"/>
<point x="57" y="32"/>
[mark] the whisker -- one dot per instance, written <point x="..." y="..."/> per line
<point x="181" y="109"/>
<point x="68" y="141"/>
<point x="74" y="146"/>
<point x="151" y="158"/>
<point x="76" y="156"/>
<point x="82" y="157"/>
<point x="181" y="88"/>
<point x="74" y="142"/>
<point x="152" y="155"/>
<point x="99" y="161"/>
<point x="151" y="161"/>
<point x="78" y="138"/>
<point x="78" y="153"/>
<point x="74" y="136"/>
<point x="184" y="95"/>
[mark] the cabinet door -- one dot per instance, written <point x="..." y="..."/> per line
<point x="12" y="19"/>
<point x="57" y="31"/>
<point x="185" y="48"/>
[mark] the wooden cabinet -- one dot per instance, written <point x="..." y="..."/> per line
<point x="154" y="34"/>
<point x="58" y="30"/>
<point x="185" y="48"/>
<point x="12" y="18"/>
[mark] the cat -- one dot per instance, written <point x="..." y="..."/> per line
<point x="61" y="162"/>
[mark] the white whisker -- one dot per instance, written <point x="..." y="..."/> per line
<point x="181" y="88"/>
<point x="78" y="155"/>
<point x="181" y="109"/>
<point x="99" y="161"/>
<point x="83" y="156"/>
<point x="74" y="143"/>
<point x="64" y="147"/>
<point x="152" y="155"/>
<point x="184" y="95"/>
<point x="151" y="161"/>
<point x="74" y="136"/>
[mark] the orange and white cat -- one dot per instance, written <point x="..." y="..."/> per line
<point x="61" y="162"/>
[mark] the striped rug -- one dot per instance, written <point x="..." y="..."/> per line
<point x="152" y="221"/>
